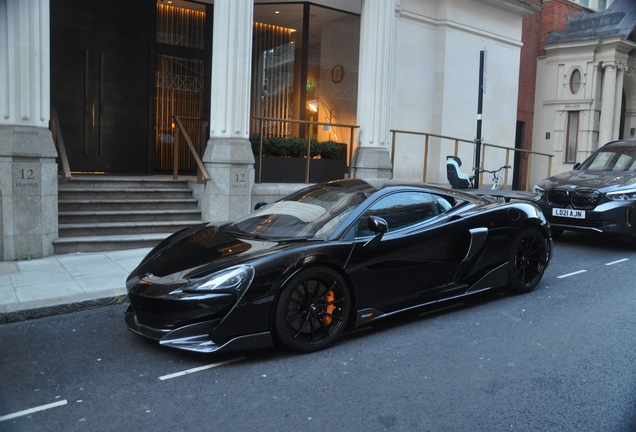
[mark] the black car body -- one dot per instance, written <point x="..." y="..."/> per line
<point x="332" y="256"/>
<point x="598" y="195"/>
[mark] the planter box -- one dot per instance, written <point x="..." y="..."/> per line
<point x="292" y="170"/>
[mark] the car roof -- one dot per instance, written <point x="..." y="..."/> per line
<point x="621" y="143"/>
<point x="376" y="184"/>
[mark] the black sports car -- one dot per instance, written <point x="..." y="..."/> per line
<point x="598" y="195"/>
<point x="332" y="256"/>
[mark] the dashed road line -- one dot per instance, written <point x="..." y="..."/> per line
<point x="33" y="410"/>
<point x="199" y="369"/>
<point x="571" y="274"/>
<point x="617" y="261"/>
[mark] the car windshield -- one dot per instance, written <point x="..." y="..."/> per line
<point x="314" y="212"/>
<point x="612" y="159"/>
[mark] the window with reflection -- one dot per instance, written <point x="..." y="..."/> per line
<point x="403" y="209"/>
<point x="304" y="69"/>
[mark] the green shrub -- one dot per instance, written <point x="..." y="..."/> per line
<point x="295" y="147"/>
<point x="255" y="140"/>
<point x="329" y="150"/>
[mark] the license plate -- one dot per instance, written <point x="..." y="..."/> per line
<point x="569" y="213"/>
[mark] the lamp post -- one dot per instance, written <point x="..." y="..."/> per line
<point x="480" y="102"/>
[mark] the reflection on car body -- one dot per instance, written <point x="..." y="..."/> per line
<point x="332" y="256"/>
<point x="598" y="195"/>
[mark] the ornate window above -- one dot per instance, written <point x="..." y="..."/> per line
<point x="575" y="81"/>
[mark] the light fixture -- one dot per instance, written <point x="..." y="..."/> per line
<point x="326" y="127"/>
<point x="313" y="105"/>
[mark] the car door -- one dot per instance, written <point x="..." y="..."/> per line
<point x="420" y="253"/>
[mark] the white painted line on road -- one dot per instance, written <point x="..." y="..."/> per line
<point x="617" y="261"/>
<point x="199" y="369"/>
<point x="33" y="410"/>
<point x="571" y="274"/>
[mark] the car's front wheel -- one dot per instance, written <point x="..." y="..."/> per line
<point x="528" y="260"/>
<point x="312" y="310"/>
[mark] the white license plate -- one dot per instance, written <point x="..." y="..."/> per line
<point x="577" y="214"/>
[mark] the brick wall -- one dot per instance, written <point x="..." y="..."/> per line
<point x="553" y="17"/>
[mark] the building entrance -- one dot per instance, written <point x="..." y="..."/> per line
<point x="100" y="53"/>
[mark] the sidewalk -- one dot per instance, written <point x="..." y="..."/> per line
<point x="64" y="283"/>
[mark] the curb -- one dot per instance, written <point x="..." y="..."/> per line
<point x="7" y="317"/>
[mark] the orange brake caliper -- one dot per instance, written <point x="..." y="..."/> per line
<point x="329" y="298"/>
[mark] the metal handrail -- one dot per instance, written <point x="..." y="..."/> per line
<point x="309" y="122"/>
<point x="202" y="173"/>
<point x="56" y="132"/>
<point x="530" y="153"/>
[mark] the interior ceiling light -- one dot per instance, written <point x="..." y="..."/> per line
<point x="313" y="105"/>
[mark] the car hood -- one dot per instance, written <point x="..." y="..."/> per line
<point x="600" y="180"/>
<point x="199" y="250"/>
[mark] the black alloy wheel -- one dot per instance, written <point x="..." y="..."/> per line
<point x="312" y="310"/>
<point x="528" y="260"/>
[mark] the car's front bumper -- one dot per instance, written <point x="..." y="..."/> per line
<point x="618" y="218"/>
<point x="196" y="337"/>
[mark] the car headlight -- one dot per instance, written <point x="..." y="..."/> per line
<point x="236" y="278"/>
<point x="538" y="190"/>
<point x="624" y="195"/>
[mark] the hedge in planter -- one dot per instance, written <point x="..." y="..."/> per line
<point x="284" y="160"/>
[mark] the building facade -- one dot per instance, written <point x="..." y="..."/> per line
<point x="116" y="73"/>
<point x="585" y="80"/>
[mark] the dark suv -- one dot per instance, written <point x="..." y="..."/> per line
<point x="598" y="195"/>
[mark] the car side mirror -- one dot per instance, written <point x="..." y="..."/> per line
<point x="379" y="227"/>
<point x="577" y="165"/>
<point x="377" y="224"/>
<point x="259" y="205"/>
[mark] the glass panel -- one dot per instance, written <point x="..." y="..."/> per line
<point x="332" y="71"/>
<point x="329" y="93"/>
<point x="575" y="81"/>
<point x="572" y="136"/>
<point x="400" y="210"/>
<point x="276" y="59"/>
<point x="179" y="92"/>
<point x="180" y="26"/>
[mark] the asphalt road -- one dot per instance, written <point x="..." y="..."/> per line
<point x="558" y="359"/>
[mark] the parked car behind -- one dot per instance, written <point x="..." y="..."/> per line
<point x="598" y="195"/>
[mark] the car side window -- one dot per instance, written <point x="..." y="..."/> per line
<point x="403" y="209"/>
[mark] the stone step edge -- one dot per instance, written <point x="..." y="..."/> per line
<point x="127" y="212"/>
<point x="126" y="224"/>
<point x="124" y="190"/>
<point x="113" y="238"/>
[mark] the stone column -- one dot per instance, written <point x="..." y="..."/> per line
<point x="228" y="156"/>
<point x="618" y="100"/>
<point x="607" y="104"/>
<point x="28" y="172"/>
<point x="372" y="156"/>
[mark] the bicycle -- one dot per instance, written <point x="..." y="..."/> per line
<point x="459" y="180"/>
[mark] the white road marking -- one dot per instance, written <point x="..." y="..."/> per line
<point x="199" y="369"/>
<point x="33" y="410"/>
<point x="571" y="274"/>
<point x="617" y="261"/>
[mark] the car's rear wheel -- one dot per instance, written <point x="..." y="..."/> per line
<point x="312" y="310"/>
<point x="528" y="260"/>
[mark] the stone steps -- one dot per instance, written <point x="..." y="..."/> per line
<point x="101" y="213"/>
